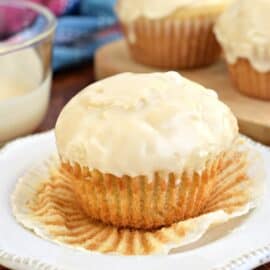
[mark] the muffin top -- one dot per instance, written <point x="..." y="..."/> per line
<point x="139" y="124"/>
<point x="243" y="31"/>
<point x="130" y="10"/>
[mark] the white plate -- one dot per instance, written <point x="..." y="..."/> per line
<point x="241" y="244"/>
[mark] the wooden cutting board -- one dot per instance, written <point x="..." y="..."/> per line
<point x="253" y="115"/>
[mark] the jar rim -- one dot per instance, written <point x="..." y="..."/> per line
<point x="47" y="31"/>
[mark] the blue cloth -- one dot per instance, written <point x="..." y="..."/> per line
<point x="84" y="26"/>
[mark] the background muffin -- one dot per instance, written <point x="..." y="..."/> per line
<point x="243" y="32"/>
<point x="171" y="34"/>
<point x="145" y="150"/>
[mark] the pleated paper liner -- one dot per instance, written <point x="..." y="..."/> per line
<point x="249" y="81"/>
<point x="44" y="202"/>
<point x="173" y="43"/>
<point x="143" y="203"/>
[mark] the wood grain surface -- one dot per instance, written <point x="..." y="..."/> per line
<point x="65" y="85"/>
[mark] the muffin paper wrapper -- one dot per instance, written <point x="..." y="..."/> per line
<point x="173" y="43"/>
<point x="44" y="202"/>
<point x="149" y="203"/>
<point x="248" y="80"/>
<point x="249" y="66"/>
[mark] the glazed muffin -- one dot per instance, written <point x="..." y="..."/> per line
<point x="145" y="150"/>
<point x="170" y="34"/>
<point x="243" y="32"/>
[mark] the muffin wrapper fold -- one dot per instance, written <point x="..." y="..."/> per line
<point x="173" y="43"/>
<point x="44" y="202"/>
<point x="248" y="80"/>
<point x="147" y="204"/>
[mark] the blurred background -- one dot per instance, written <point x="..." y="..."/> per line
<point x="49" y="52"/>
<point x="82" y="27"/>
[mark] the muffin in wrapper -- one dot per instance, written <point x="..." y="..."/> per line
<point x="179" y="137"/>
<point x="181" y="40"/>
<point x="172" y="44"/>
<point x="182" y="169"/>
<point x="248" y="80"/>
<point x="242" y="33"/>
<point x="45" y="203"/>
<point x="141" y="203"/>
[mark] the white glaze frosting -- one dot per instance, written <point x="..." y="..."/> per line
<point x="130" y="10"/>
<point x="138" y="124"/>
<point x="243" y="31"/>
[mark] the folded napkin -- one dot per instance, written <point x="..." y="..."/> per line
<point x="83" y="26"/>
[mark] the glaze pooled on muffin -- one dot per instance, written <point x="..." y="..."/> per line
<point x="130" y="10"/>
<point x="139" y="124"/>
<point x="243" y="31"/>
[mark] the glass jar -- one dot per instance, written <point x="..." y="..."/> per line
<point x="26" y="37"/>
